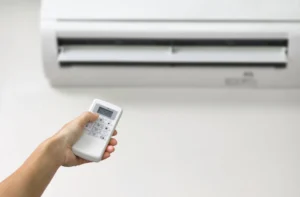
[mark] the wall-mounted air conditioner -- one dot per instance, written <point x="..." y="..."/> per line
<point x="171" y="43"/>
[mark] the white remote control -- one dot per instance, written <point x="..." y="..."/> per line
<point x="96" y="136"/>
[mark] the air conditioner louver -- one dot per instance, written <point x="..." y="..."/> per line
<point x="260" y="53"/>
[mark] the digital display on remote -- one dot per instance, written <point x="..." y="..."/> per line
<point x="105" y="112"/>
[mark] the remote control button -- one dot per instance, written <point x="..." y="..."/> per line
<point x="89" y="126"/>
<point x="96" y="130"/>
<point x="106" y="120"/>
<point x="98" y="125"/>
<point x="110" y="128"/>
<point x="98" y="135"/>
<point x="102" y="131"/>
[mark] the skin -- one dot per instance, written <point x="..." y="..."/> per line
<point x="33" y="177"/>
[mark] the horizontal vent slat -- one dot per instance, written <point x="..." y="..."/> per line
<point x="170" y="55"/>
<point x="175" y="42"/>
<point x="174" y="64"/>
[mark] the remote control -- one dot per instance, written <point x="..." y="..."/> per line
<point x="96" y="136"/>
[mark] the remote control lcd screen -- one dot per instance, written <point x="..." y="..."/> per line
<point x="105" y="112"/>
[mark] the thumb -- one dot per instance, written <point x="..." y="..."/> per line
<point x="87" y="117"/>
<point x="79" y="124"/>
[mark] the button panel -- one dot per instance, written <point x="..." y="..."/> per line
<point x="101" y="128"/>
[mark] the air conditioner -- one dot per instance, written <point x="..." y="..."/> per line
<point x="228" y="43"/>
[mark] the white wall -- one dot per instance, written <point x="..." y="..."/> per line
<point x="172" y="142"/>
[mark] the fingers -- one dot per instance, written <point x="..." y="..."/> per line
<point x="106" y="155"/>
<point x="87" y="117"/>
<point x="110" y="149"/>
<point x="113" y="142"/>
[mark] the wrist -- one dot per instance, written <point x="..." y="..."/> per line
<point x="54" y="150"/>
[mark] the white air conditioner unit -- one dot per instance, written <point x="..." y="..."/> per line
<point x="209" y="43"/>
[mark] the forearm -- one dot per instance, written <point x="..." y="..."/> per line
<point x="31" y="179"/>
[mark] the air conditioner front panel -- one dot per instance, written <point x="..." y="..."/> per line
<point x="81" y="53"/>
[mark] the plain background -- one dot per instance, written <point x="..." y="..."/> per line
<point x="172" y="142"/>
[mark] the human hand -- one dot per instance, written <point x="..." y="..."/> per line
<point x="68" y="136"/>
